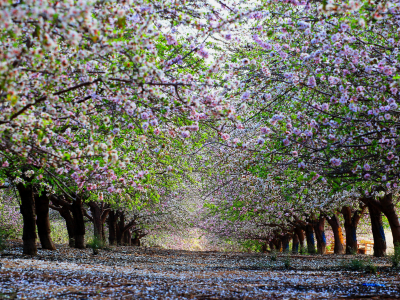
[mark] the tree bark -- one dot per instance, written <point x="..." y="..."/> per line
<point x="79" y="228"/>
<point x="27" y="209"/>
<point x="285" y="243"/>
<point x="295" y="243"/>
<point x="319" y="229"/>
<point x="310" y="239"/>
<point x="278" y="244"/>
<point x="96" y="219"/>
<point x="70" y="224"/>
<point x="377" y="231"/>
<point x="389" y="209"/>
<point x="124" y="237"/>
<point x="337" y="234"/>
<point x="112" y="227"/>
<point x="351" y="220"/>
<point x="127" y="237"/>
<point x="120" y="229"/>
<point x="99" y="216"/>
<point x="271" y="246"/>
<point x="134" y="241"/>
<point x="300" y="235"/>
<point x="43" y="222"/>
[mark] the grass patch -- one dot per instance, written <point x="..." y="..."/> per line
<point x="96" y="244"/>
<point x="395" y="258"/>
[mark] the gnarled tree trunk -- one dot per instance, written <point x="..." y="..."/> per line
<point x="389" y="209"/>
<point x="285" y="243"/>
<point x="351" y="220"/>
<point x="43" y="222"/>
<point x="278" y="244"/>
<point x="300" y="235"/>
<point x="27" y="209"/>
<point x="96" y="219"/>
<point x="272" y="246"/>
<point x="319" y="229"/>
<point x="120" y="228"/>
<point x="295" y="243"/>
<point x="337" y="234"/>
<point x="377" y="231"/>
<point x="64" y="208"/>
<point x="136" y="242"/>
<point x="310" y="239"/>
<point x="112" y="227"/>
<point x="127" y="237"/>
<point x="99" y="216"/>
<point x="79" y="228"/>
<point x="124" y="237"/>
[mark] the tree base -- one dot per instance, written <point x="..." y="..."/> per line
<point x="30" y="247"/>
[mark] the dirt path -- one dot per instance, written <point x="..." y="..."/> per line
<point x="140" y="273"/>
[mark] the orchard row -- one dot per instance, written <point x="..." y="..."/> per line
<point x="260" y="117"/>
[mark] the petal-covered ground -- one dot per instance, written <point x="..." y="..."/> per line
<point x="152" y="273"/>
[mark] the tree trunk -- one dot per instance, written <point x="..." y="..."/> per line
<point x="300" y="235"/>
<point x="285" y="243"/>
<point x="271" y="246"/>
<point x="278" y="244"/>
<point x="310" y="239"/>
<point x="295" y="243"/>
<point x="112" y="227"/>
<point x="389" y="209"/>
<point x="377" y="231"/>
<point x="350" y="225"/>
<point x="64" y="208"/>
<point x="43" y="222"/>
<point x="136" y="242"/>
<point x="264" y="246"/>
<point x="27" y="209"/>
<point x="103" y="232"/>
<point x="319" y="229"/>
<point x="337" y="234"/>
<point x="127" y="237"/>
<point x="79" y="228"/>
<point x="65" y="212"/>
<point x="120" y="229"/>
<point x="96" y="217"/>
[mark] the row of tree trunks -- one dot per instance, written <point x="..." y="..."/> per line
<point x="352" y="217"/>
<point x="35" y="212"/>
<point x="119" y="232"/>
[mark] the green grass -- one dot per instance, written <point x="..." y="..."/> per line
<point x="395" y="258"/>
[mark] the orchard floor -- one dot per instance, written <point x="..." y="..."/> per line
<point x="152" y="273"/>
